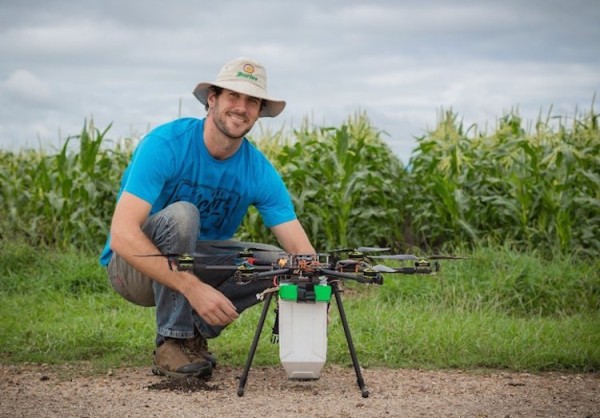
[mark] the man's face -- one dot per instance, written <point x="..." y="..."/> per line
<point x="233" y="113"/>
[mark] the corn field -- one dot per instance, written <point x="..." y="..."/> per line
<point x="533" y="189"/>
<point x="62" y="199"/>
<point x="537" y="190"/>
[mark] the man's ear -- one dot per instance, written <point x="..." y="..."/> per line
<point x="210" y="98"/>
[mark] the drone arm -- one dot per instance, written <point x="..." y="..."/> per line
<point x="348" y="276"/>
<point x="266" y="274"/>
<point x="208" y="267"/>
<point x="412" y="270"/>
<point x="405" y="270"/>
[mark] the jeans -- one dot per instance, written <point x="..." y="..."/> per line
<point x="174" y="230"/>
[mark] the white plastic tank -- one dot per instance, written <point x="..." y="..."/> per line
<point x="303" y="332"/>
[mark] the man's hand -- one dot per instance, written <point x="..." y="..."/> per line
<point x="208" y="302"/>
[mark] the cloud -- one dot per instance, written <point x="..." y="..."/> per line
<point x="135" y="63"/>
<point x="24" y="87"/>
<point x="26" y="91"/>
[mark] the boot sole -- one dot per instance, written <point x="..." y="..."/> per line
<point x="160" y="371"/>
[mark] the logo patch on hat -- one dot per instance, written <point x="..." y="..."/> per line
<point x="248" y="69"/>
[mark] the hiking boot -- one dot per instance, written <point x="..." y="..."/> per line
<point x="200" y="346"/>
<point x="179" y="358"/>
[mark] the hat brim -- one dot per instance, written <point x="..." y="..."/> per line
<point x="272" y="106"/>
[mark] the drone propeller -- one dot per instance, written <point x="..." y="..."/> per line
<point x="383" y="269"/>
<point x="414" y="257"/>
<point x="168" y="255"/>
<point x="420" y="267"/>
<point x="176" y="255"/>
<point x="397" y="257"/>
<point x="190" y="259"/>
<point x="240" y="248"/>
<point x="359" y="249"/>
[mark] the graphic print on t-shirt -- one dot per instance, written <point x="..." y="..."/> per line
<point x="215" y="205"/>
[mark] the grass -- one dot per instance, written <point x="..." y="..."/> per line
<point x="421" y="337"/>
<point x="58" y="308"/>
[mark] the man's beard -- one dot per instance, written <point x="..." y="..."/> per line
<point x="222" y="125"/>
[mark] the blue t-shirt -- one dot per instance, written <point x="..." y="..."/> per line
<point x="172" y="164"/>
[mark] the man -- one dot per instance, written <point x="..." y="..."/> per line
<point x="190" y="183"/>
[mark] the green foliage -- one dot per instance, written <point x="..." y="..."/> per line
<point x="59" y="306"/>
<point x="505" y="282"/>
<point x="63" y="199"/>
<point x="345" y="183"/>
<point x="25" y="269"/>
<point x="535" y="190"/>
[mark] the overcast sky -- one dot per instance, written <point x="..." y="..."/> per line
<point x="134" y="63"/>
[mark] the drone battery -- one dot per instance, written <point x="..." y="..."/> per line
<point x="303" y="331"/>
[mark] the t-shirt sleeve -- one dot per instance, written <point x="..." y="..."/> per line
<point x="275" y="204"/>
<point x="151" y="166"/>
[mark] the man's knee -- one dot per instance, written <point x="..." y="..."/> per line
<point x="180" y="221"/>
<point x="130" y="283"/>
<point x="185" y="215"/>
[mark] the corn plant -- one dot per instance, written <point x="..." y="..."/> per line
<point x="345" y="183"/>
<point x="65" y="199"/>
<point x="537" y="190"/>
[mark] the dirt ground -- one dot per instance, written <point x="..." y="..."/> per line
<point x="53" y="391"/>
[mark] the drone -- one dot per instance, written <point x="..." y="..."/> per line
<point x="301" y="282"/>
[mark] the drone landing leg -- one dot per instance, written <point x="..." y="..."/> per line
<point x="261" y="323"/>
<point x="359" y="378"/>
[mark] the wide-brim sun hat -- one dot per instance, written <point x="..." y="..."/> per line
<point x="246" y="76"/>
